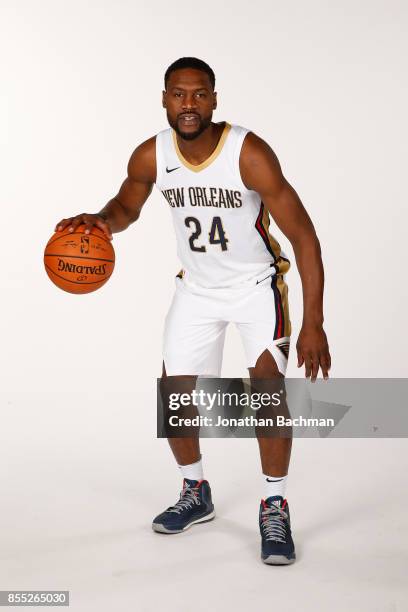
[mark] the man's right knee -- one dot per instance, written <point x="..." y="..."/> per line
<point x="183" y="379"/>
<point x="171" y="389"/>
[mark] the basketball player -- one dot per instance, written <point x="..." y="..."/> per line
<point x="222" y="182"/>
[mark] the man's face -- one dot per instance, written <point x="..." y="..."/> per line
<point x="189" y="101"/>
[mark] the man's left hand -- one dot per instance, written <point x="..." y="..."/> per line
<point x="313" y="350"/>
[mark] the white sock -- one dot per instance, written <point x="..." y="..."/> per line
<point x="193" y="471"/>
<point x="274" y="485"/>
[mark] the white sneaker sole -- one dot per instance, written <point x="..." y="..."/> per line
<point x="278" y="560"/>
<point x="159" y="528"/>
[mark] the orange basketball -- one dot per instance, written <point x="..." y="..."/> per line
<point x="77" y="262"/>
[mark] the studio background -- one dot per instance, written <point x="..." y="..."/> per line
<point x="325" y="85"/>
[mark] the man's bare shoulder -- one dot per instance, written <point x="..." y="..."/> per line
<point x="258" y="159"/>
<point x="255" y="148"/>
<point x="142" y="164"/>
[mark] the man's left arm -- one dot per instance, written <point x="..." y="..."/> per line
<point x="261" y="172"/>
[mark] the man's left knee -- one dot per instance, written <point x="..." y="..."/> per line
<point x="265" y="367"/>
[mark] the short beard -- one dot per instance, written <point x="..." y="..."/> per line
<point x="204" y="124"/>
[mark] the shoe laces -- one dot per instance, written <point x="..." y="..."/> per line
<point x="188" y="497"/>
<point x="273" y="523"/>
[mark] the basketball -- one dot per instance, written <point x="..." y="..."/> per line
<point x="77" y="262"/>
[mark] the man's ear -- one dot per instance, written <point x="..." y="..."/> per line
<point x="215" y="100"/>
<point x="164" y="99"/>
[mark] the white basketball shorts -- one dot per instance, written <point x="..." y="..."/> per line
<point x="196" y="322"/>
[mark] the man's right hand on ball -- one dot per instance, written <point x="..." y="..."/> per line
<point x="88" y="220"/>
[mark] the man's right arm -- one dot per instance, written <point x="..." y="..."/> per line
<point x="125" y="207"/>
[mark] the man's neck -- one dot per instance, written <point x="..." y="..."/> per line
<point x="198" y="150"/>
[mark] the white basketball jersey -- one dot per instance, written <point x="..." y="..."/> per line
<point x="222" y="228"/>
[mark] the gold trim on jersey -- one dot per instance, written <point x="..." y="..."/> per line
<point x="209" y="160"/>
<point x="282" y="265"/>
<point x="283" y="291"/>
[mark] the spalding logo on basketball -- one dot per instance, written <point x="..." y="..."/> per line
<point x="78" y="262"/>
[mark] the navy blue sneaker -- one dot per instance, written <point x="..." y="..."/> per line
<point x="194" y="506"/>
<point x="274" y="525"/>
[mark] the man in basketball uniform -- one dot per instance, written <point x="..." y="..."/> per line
<point x="222" y="183"/>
